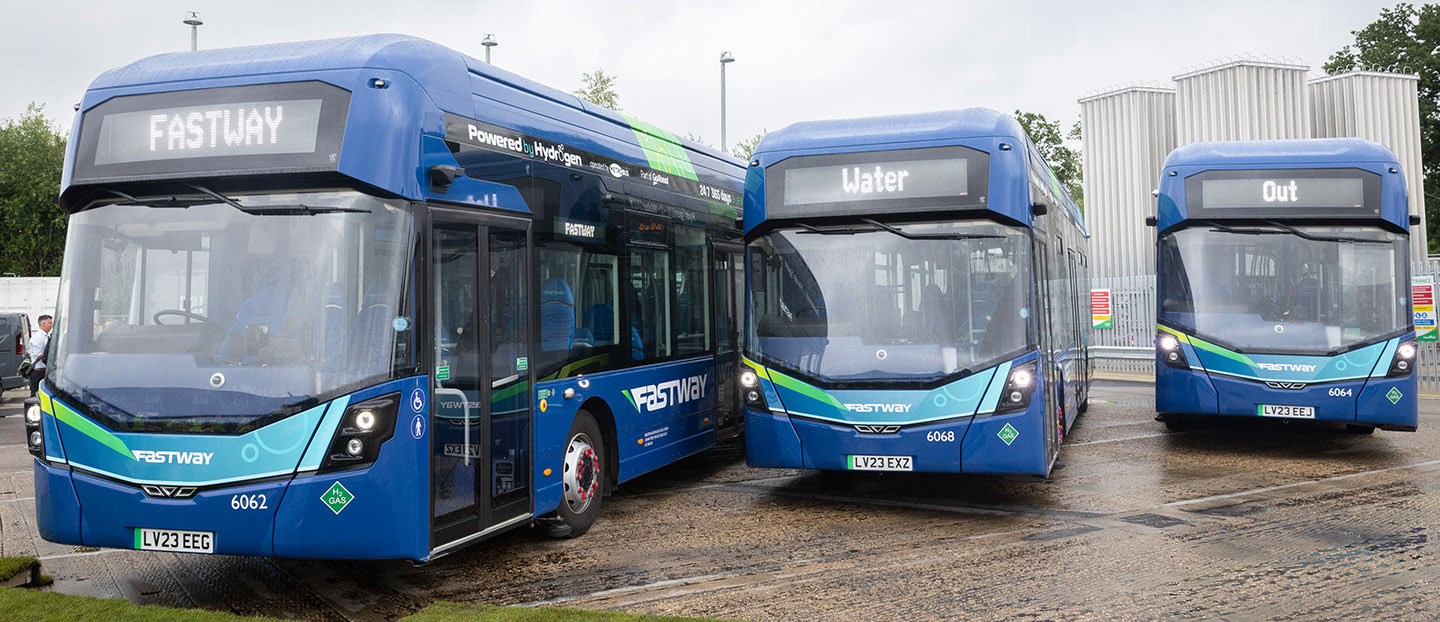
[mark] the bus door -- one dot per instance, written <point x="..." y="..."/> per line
<point x="729" y="273"/>
<point x="1047" y="365"/>
<point x="480" y="419"/>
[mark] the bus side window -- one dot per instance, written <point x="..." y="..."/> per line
<point x="693" y="332"/>
<point x="650" y="317"/>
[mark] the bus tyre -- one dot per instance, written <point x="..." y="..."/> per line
<point x="583" y="478"/>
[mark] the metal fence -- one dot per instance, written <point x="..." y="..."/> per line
<point x="1128" y="347"/>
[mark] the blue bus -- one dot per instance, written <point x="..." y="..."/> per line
<point x="916" y="298"/>
<point x="1284" y="284"/>
<point x="372" y="298"/>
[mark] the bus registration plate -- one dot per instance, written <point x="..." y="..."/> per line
<point x="881" y="463"/>
<point x="175" y="540"/>
<point x="1293" y="412"/>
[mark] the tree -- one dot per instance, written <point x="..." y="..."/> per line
<point x="1063" y="160"/>
<point x="599" y="88"/>
<point x="1405" y="40"/>
<point x="746" y="148"/>
<point x="32" y="227"/>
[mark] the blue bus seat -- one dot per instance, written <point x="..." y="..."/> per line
<point x="600" y="320"/>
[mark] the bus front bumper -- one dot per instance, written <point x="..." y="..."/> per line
<point x="301" y="517"/>
<point x="1386" y="403"/>
<point x="963" y="445"/>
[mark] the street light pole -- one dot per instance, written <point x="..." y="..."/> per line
<point x="489" y="42"/>
<point x="192" y="19"/>
<point x="725" y="59"/>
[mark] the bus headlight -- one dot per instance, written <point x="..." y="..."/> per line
<point x="751" y="392"/>
<point x="1019" y="387"/>
<point x="34" y="438"/>
<point x="363" y="429"/>
<point x="1403" y="363"/>
<point x="1167" y="347"/>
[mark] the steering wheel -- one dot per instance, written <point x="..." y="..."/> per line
<point x="182" y="313"/>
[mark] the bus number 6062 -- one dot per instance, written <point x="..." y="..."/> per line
<point x="248" y="502"/>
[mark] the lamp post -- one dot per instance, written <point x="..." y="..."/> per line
<point x="725" y="59"/>
<point x="489" y="42"/>
<point x="192" y="19"/>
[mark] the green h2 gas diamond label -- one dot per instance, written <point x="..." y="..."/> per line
<point x="337" y="497"/>
<point x="1394" y="395"/>
<point x="1008" y="434"/>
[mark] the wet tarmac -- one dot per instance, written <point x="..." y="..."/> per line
<point x="1236" y="520"/>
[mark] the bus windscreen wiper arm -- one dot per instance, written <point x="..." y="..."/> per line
<point x="880" y="226"/>
<point x="930" y="236"/>
<point x="171" y="201"/>
<point x="1323" y="238"/>
<point x="291" y="209"/>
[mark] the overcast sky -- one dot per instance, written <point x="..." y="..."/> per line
<point x="795" y="61"/>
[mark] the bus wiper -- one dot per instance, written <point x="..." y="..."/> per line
<point x="171" y="201"/>
<point x="301" y="209"/>
<point x="880" y="226"/>
<point x="1322" y="238"/>
<point x="932" y="236"/>
<point x="835" y="231"/>
<point x="290" y="209"/>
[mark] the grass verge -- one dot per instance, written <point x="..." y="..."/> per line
<point x="26" y="604"/>
<point x="11" y="566"/>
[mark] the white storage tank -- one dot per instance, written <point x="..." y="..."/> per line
<point x="1242" y="100"/>
<point x="1385" y="108"/>
<point x="1126" y="134"/>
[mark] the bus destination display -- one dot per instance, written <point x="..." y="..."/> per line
<point x="267" y="128"/>
<point x="908" y="179"/>
<point x="245" y="128"/>
<point x="1286" y="192"/>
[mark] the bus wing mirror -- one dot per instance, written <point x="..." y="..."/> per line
<point x="1039" y="209"/>
<point x="1151" y="221"/>
<point x="442" y="175"/>
<point x="1414" y="220"/>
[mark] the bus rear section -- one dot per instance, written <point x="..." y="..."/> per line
<point x="1284" y="287"/>
<point x="902" y="327"/>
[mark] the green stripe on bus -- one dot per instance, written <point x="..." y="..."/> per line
<point x="568" y="369"/>
<point x="91" y="429"/>
<point x="137" y="538"/>
<point x="510" y="391"/>
<point x="662" y="149"/>
<point x="805" y="389"/>
<point x="1201" y="344"/>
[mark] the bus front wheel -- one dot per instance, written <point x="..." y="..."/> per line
<point x="583" y="478"/>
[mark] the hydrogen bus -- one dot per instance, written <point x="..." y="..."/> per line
<point x="1284" y="284"/>
<point x="915" y="296"/>
<point x="372" y="298"/>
